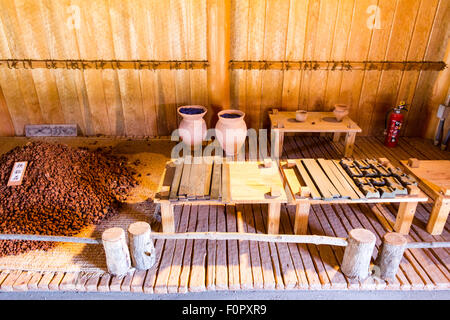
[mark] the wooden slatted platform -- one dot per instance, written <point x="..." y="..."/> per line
<point x="203" y="265"/>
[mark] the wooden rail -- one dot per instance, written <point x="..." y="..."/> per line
<point x="311" y="65"/>
<point x="310" y="239"/>
<point x="78" y="64"/>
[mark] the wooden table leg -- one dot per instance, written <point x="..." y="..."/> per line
<point x="301" y="217"/>
<point x="167" y="217"/>
<point x="280" y="145"/>
<point x="273" y="221"/>
<point x="336" y="136"/>
<point x="438" y="216"/>
<point x="349" y="143"/>
<point x="405" y="217"/>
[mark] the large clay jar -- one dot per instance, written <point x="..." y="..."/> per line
<point x="231" y="131"/>
<point x="192" y="128"/>
<point x="340" y="111"/>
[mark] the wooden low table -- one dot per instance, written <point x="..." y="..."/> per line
<point x="326" y="182"/>
<point x="235" y="182"/>
<point x="434" y="177"/>
<point x="323" y="122"/>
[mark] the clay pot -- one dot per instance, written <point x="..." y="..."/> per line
<point x="300" y="115"/>
<point x="192" y="128"/>
<point x="340" y="111"/>
<point x="231" y="131"/>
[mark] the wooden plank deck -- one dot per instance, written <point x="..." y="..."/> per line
<point x="203" y="265"/>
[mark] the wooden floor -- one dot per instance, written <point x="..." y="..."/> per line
<point x="200" y="265"/>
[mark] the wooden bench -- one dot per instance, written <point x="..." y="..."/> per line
<point x="320" y="181"/>
<point x="302" y="182"/>
<point x="323" y="122"/>
<point x="208" y="181"/>
<point x="434" y="177"/>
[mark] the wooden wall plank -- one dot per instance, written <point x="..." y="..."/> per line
<point x="377" y="51"/>
<point x="196" y="50"/>
<point x="322" y="51"/>
<point x="342" y="31"/>
<point x="310" y="40"/>
<point x="402" y="28"/>
<point x="295" y="45"/>
<point x="12" y="47"/>
<point x="125" y="44"/>
<point x="6" y="124"/>
<point x="32" y="30"/>
<point x="437" y="44"/>
<point x="61" y="43"/>
<point x="358" y="47"/>
<point x="239" y="51"/>
<point x="143" y="102"/>
<point x="274" y="49"/>
<point x="256" y="23"/>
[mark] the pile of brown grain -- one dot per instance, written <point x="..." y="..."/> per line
<point x="64" y="190"/>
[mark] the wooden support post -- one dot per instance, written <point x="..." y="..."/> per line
<point x="167" y="218"/>
<point x="280" y="144"/>
<point x="336" y="136"/>
<point x="405" y="217"/>
<point x="141" y="245"/>
<point x="273" y="221"/>
<point x="218" y="53"/>
<point x="390" y="255"/>
<point x="357" y="254"/>
<point x="439" y="215"/>
<point x="349" y="143"/>
<point x="116" y="251"/>
<point x="301" y="217"/>
<point x="277" y="143"/>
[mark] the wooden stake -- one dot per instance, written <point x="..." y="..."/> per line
<point x="141" y="245"/>
<point x="391" y="253"/>
<point x="357" y="254"/>
<point x="116" y="251"/>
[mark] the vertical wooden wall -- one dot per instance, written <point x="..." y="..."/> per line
<point x="412" y="30"/>
<point x="143" y="102"/>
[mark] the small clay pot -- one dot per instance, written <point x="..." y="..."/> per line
<point x="340" y="111"/>
<point x="300" y="115"/>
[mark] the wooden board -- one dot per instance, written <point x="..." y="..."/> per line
<point x="307" y="179"/>
<point x="216" y="182"/>
<point x="433" y="173"/>
<point x="325" y="164"/>
<point x="252" y="182"/>
<point x="185" y="182"/>
<point x="324" y="185"/>
<point x="176" y="181"/>
<point x="315" y="122"/>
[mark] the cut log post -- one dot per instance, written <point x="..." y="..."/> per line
<point x="391" y="253"/>
<point x="141" y="245"/>
<point x="116" y="251"/>
<point x="357" y="254"/>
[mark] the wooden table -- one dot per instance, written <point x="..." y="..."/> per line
<point x="323" y="122"/>
<point x="215" y="183"/>
<point x="434" y="177"/>
<point x="310" y="187"/>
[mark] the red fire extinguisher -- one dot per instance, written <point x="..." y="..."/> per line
<point x="393" y="124"/>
